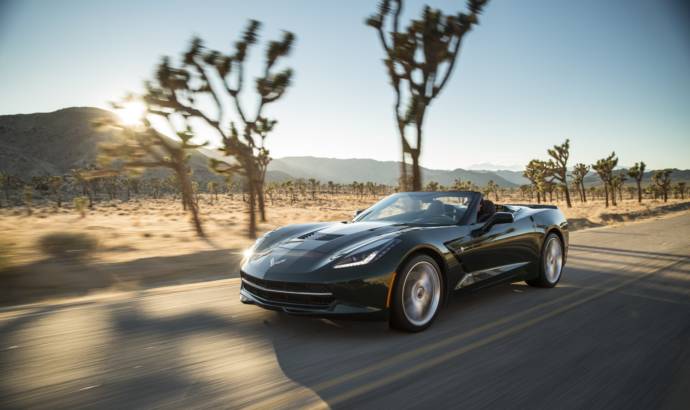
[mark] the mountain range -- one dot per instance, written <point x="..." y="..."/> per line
<point x="56" y="142"/>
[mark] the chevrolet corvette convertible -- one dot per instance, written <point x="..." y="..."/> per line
<point x="403" y="257"/>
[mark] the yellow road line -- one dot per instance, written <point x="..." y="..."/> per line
<point x="276" y="401"/>
<point x="480" y="343"/>
<point x="280" y="400"/>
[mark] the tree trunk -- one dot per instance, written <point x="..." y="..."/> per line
<point x="613" y="196"/>
<point x="261" y="200"/>
<point x="252" y="211"/>
<point x="416" y="172"/>
<point x="188" y="200"/>
<point x="606" y="194"/>
<point x="567" y="194"/>
<point x="403" y="171"/>
<point x="639" y="191"/>
<point x="584" y="192"/>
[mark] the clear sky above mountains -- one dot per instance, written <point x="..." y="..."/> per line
<point x="609" y="75"/>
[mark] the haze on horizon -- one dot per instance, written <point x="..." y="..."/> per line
<point x="608" y="75"/>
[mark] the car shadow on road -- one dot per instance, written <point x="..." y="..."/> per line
<point x="157" y="357"/>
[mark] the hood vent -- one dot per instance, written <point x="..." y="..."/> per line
<point x="325" y="236"/>
<point x="316" y="236"/>
<point x="307" y="235"/>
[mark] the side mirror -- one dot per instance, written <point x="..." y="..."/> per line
<point x="359" y="211"/>
<point x="495" y="219"/>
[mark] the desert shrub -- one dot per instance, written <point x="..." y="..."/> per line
<point x="68" y="245"/>
<point x="80" y="205"/>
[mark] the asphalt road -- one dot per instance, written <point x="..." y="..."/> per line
<point x="615" y="333"/>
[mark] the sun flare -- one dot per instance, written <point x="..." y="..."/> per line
<point x="132" y="112"/>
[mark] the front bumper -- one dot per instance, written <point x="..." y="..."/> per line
<point x="340" y="299"/>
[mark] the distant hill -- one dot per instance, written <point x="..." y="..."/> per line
<point x="54" y="143"/>
<point x="382" y="172"/>
<point x="50" y="143"/>
<point x="488" y="166"/>
<point x="677" y="175"/>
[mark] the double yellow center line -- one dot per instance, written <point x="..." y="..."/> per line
<point x="290" y="397"/>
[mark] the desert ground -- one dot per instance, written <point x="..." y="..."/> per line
<point x="121" y="246"/>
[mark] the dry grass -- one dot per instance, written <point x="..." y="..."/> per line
<point x="149" y="242"/>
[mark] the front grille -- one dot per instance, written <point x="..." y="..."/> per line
<point x="288" y="293"/>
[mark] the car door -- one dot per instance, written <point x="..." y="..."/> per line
<point x="500" y="251"/>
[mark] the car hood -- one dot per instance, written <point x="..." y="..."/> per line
<point x="310" y="247"/>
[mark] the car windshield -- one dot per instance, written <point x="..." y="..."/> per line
<point x="418" y="208"/>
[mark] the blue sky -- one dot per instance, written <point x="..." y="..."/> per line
<point x="609" y="75"/>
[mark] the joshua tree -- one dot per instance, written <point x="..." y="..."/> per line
<point x="621" y="179"/>
<point x="492" y="188"/>
<point x="28" y="196"/>
<point x="527" y="191"/>
<point x="55" y="184"/>
<point x="459" y="185"/>
<point x="662" y="180"/>
<point x="535" y="171"/>
<point x="80" y="203"/>
<point x="432" y="186"/>
<point x="617" y="186"/>
<point x="144" y="147"/>
<point x="436" y="39"/>
<point x="637" y="173"/>
<point x="604" y="168"/>
<point x="84" y="178"/>
<point x="631" y="191"/>
<point x="558" y="167"/>
<point x="680" y="189"/>
<point x="313" y="187"/>
<point x="211" y="75"/>
<point x="212" y="188"/>
<point x="132" y="184"/>
<point x="580" y="171"/>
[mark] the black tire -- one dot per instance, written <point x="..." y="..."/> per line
<point x="549" y="261"/>
<point x="416" y="278"/>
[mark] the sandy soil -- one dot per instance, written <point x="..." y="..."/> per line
<point x="143" y="243"/>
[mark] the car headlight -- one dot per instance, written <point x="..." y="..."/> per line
<point x="367" y="253"/>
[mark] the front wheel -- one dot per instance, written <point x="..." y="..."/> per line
<point x="550" y="264"/>
<point x="416" y="295"/>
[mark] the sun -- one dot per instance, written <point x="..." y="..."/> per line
<point x="132" y="112"/>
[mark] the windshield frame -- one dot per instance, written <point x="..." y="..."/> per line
<point x="473" y="199"/>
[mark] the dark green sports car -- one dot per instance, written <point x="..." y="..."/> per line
<point x="403" y="257"/>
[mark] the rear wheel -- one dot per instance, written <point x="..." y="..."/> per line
<point x="550" y="264"/>
<point x="416" y="295"/>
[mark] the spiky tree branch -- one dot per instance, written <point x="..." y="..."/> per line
<point x="437" y="38"/>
